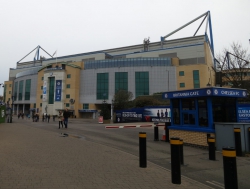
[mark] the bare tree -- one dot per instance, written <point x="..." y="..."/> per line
<point x="234" y="65"/>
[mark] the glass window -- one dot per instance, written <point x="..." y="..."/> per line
<point x="42" y="78"/>
<point x="15" y="90"/>
<point x="41" y="104"/>
<point x="41" y="96"/>
<point x="86" y="106"/>
<point x="27" y="89"/>
<point x="121" y="81"/>
<point x="68" y="75"/>
<point x="51" y="89"/>
<point x="141" y="83"/>
<point x="42" y="87"/>
<point x="102" y="86"/>
<point x="182" y="85"/>
<point x="181" y="73"/>
<point x="202" y="112"/>
<point x="68" y="85"/>
<point x="196" y="79"/>
<point x="176" y="110"/>
<point x="9" y="92"/>
<point x="9" y="85"/>
<point x="34" y="105"/>
<point x="188" y="104"/>
<point x="67" y="104"/>
<point x="20" y="93"/>
<point x="224" y="109"/>
<point x="67" y="96"/>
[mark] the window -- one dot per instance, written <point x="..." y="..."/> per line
<point x="121" y="81"/>
<point x="86" y="106"/>
<point x="181" y="73"/>
<point x="202" y="112"/>
<point x="182" y="85"/>
<point x="68" y="75"/>
<point x="42" y="78"/>
<point x="41" y="97"/>
<point x="68" y="85"/>
<point x="34" y="106"/>
<point x="51" y="89"/>
<point x="20" y="93"/>
<point x="42" y="87"/>
<point x="141" y="83"/>
<point x="9" y="85"/>
<point x="41" y="104"/>
<point x="176" y="109"/>
<point x="102" y="86"/>
<point x="27" y="89"/>
<point x="9" y="92"/>
<point x="196" y="79"/>
<point x="67" y="104"/>
<point x="15" y="90"/>
<point x="67" y="96"/>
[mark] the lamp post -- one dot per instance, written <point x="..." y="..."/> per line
<point x="12" y="106"/>
<point x="112" y="107"/>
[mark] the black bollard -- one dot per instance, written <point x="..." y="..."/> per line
<point x="181" y="152"/>
<point x="175" y="160"/>
<point x="230" y="170"/>
<point x="142" y="149"/>
<point x="211" y="146"/>
<point x="237" y="140"/>
<point x="156" y="133"/>
<point x="167" y="131"/>
<point x="248" y="138"/>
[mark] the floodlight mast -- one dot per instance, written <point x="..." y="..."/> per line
<point x="207" y="15"/>
<point x="36" y="57"/>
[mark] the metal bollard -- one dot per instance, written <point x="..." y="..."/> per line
<point x="248" y="138"/>
<point x="211" y="146"/>
<point x="181" y="152"/>
<point x="237" y="141"/>
<point x="156" y="133"/>
<point x="142" y="149"/>
<point x="230" y="170"/>
<point x="175" y="160"/>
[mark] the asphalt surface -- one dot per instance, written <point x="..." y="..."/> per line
<point x="86" y="155"/>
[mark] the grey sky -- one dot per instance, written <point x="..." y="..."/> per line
<point x="79" y="26"/>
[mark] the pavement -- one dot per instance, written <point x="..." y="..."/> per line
<point x="35" y="158"/>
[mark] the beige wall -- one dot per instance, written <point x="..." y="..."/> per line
<point x="8" y="85"/>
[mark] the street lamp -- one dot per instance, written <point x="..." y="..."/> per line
<point x="12" y="106"/>
<point x="112" y="107"/>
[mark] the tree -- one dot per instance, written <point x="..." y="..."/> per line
<point x="234" y="65"/>
<point x="122" y="100"/>
<point x="142" y="101"/>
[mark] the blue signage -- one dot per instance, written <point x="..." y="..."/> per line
<point x="244" y="114"/>
<point x="211" y="91"/>
<point x="58" y="90"/>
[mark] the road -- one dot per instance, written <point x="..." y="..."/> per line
<point x="196" y="166"/>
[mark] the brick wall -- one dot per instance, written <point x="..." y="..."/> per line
<point x="191" y="137"/>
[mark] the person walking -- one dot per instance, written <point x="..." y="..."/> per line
<point x="60" y="119"/>
<point x="66" y="116"/>
<point x="48" y="118"/>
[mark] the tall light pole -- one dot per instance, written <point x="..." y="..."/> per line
<point x="112" y="107"/>
<point x="12" y="106"/>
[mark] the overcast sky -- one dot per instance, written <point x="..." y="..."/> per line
<point x="79" y="26"/>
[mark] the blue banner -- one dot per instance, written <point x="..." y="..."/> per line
<point x="58" y="90"/>
<point x="244" y="114"/>
<point x="210" y="91"/>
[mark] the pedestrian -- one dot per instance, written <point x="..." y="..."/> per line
<point x="162" y="114"/>
<point x="48" y="117"/>
<point x="54" y="117"/>
<point x="43" y="117"/>
<point x="60" y="119"/>
<point x="158" y="114"/>
<point x="66" y="116"/>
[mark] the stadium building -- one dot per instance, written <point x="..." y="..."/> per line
<point x="82" y="82"/>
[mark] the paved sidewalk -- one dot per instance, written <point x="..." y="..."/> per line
<point x="35" y="158"/>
